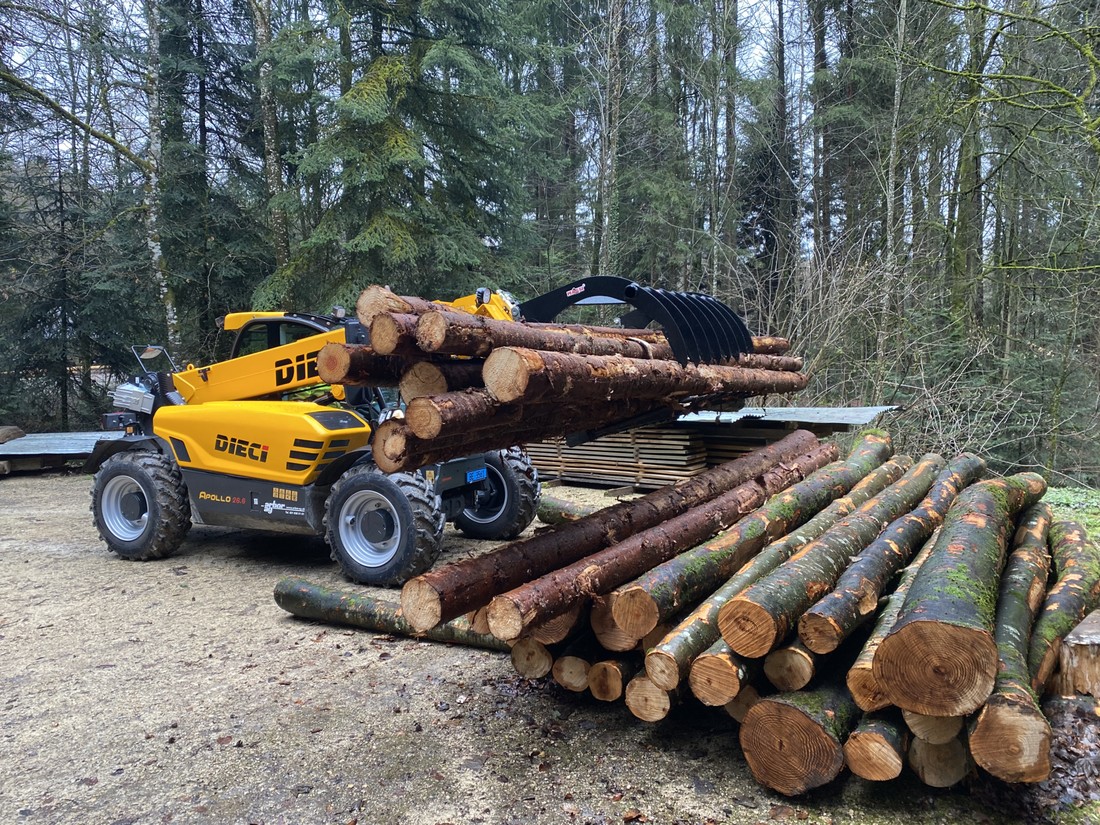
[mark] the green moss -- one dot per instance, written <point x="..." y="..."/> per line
<point x="1078" y="504"/>
<point x="961" y="585"/>
<point x="1085" y="815"/>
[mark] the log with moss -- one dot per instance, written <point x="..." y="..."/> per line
<point x="940" y="658"/>
<point x="511" y="613"/>
<point x="1010" y="737"/>
<point x="313" y="601"/>
<point x="876" y="749"/>
<point x="608" y="678"/>
<point x="556" y="509"/>
<point x="670" y="660"/>
<point x="794" y="742"/>
<point x="449" y="591"/>
<point x="716" y="676"/>
<point x="854" y="600"/>
<point x="1075" y="593"/>
<point x="610" y="636"/>
<point x="865" y="689"/>
<point x="690" y="576"/>
<point x="755" y="621"/>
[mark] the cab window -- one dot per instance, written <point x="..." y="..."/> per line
<point x="260" y="335"/>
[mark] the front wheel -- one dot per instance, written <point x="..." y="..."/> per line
<point x="508" y="505"/>
<point x="140" y="505"/>
<point x="383" y="529"/>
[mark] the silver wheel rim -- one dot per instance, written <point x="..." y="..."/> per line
<point x="122" y="527"/>
<point x="363" y="513"/>
<point x="500" y="489"/>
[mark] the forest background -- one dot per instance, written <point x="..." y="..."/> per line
<point x="908" y="189"/>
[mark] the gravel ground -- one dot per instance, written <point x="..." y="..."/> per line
<point x="176" y="691"/>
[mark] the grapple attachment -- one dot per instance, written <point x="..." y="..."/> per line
<point x="699" y="328"/>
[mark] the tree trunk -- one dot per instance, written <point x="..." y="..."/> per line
<point x="647" y="701"/>
<point x="512" y="612"/>
<point x="755" y="621"/>
<point x="876" y="749"/>
<point x="1076" y="562"/>
<point x="312" y="601"/>
<point x="865" y="689"/>
<point x="854" y="600"/>
<point x="394" y="333"/>
<point x="358" y="364"/>
<point x="556" y="510"/>
<point x="940" y="658"/>
<point x="449" y="591"/>
<point x="793" y="742"/>
<point x="607" y="679"/>
<point x="664" y="590"/>
<point x="699" y="630"/>
<point x="935" y="730"/>
<point x="790" y="667"/>
<point x="715" y="677"/>
<point x="427" y="378"/>
<point x="770" y="345"/>
<point x="1010" y="736"/>
<point x="939" y="766"/>
<point x="514" y="373"/>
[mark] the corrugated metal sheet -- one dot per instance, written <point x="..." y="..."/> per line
<point x="54" y="445"/>
<point x="840" y="416"/>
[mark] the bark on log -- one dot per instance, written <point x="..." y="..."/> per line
<point x="438" y="378"/>
<point x="607" y="678"/>
<point x="1010" y="736"/>
<point x="876" y="749"/>
<point x="790" y="667"/>
<point x="1076" y="562"/>
<point x="854" y="600"/>
<point x="358" y="364"/>
<point x="672" y="656"/>
<point x="376" y="299"/>
<point x="936" y="730"/>
<point x="794" y="742"/>
<point x="739" y="706"/>
<point x="608" y="634"/>
<point x="940" y="658"/>
<point x="558" y="510"/>
<point x="785" y="363"/>
<point x="511" y="613"/>
<point x="687" y="578"/>
<point x="647" y="701"/>
<point x="394" y="333"/>
<point x="770" y="344"/>
<point x="515" y="373"/>
<point x="939" y="766"/>
<point x="429" y="416"/>
<point x="755" y="621"/>
<point x="532" y="659"/>
<point x="312" y="601"/>
<point x="715" y="677"/>
<point x="865" y="689"/>
<point x="454" y="589"/>
<point x="458" y="333"/>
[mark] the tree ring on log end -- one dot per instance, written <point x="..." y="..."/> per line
<point x="747" y="628"/>
<point x="787" y="750"/>
<point x="714" y="680"/>
<point x="1012" y="741"/>
<point x="420" y="605"/>
<point x="872" y="758"/>
<point x="635" y="611"/>
<point x="661" y="669"/>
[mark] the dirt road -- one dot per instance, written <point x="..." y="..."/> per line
<point x="176" y="691"/>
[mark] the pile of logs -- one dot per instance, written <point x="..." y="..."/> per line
<point x="473" y="384"/>
<point x="870" y="612"/>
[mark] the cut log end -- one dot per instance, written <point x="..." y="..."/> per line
<point x="714" y="680"/>
<point x="431" y="332"/>
<point x="607" y="680"/>
<point x="421" y="605"/>
<point x="647" y="701"/>
<point x="936" y="668"/>
<point x="749" y="629"/>
<point x="1011" y="741"/>
<point x="505" y="619"/>
<point x="422" y="378"/>
<point x="635" y="611"/>
<point x="571" y="672"/>
<point x="531" y="659"/>
<point x="506" y="374"/>
<point x="333" y="362"/>
<point x="821" y="634"/>
<point x="936" y="730"/>
<point x="939" y="766"/>
<point x="870" y="756"/>
<point x="787" y="750"/>
<point x="866" y="690"/>
<point x="661" y="669"/>
<point x="789" y="668"/>
<point x="739" y="706"/>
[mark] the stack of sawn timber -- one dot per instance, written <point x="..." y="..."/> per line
<point x="473" y="384"/>
<point x="869" y="612"/>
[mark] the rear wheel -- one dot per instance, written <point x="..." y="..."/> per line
<point x="508" y="506"/>
<point x="383" y="529"/>
<point x="140" y="505"/>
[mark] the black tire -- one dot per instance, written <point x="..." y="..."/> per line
<point x="140" y="505"/>
<point x="383" y="529"/>
<point x="512" y="500"/>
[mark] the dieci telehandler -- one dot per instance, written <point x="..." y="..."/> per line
<point x="225" y="444"/>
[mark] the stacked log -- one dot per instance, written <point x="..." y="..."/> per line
<point x="475" y="384"/>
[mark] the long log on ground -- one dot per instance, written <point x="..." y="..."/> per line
<point x="939" y="766"/>
<point x="1076" y="562"/>
<point x="940" y="658"/>
<point x="794" y="742"/>
<point x="876" y="749"/>
<point x="376" y="299"/>
<point x="647" y="701"/>
<point x="669" y="661"/>
<point x="854" y="600"/>
<point x="512" y="612"/>
<point x="1010" y="737"/>
<point x="515" y="373"/>
<point x="439" y="377"/>
<point x="608" y="678"/>
<point x="790" y="667"/>
<point x="936" y="730"/>
<point x="554" y="509"/>
<point x="1078" y="670"/>
<point x="394" y="333"/>
<point x="359" y="364"/>
<point x="865" y="689"/>
<point x="687" y="578"/>
<point x="442" y="594"/>
<point x="756" y="620"/>
<point x="770" y="344"/>
<point x="312" y="601"/>
<point x="532" y="659"/>
<point x="716" y="676"/>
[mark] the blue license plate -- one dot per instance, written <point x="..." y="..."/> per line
<point x="476" y="475"/>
